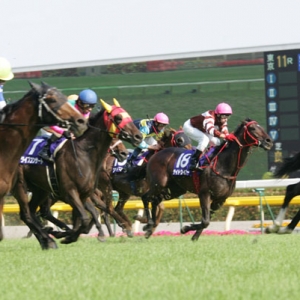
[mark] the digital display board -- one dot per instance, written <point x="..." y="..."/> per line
<point x="282" y="85"/>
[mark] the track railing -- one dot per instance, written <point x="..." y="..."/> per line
<point x="232" y="202"/>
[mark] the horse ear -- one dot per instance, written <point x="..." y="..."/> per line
<point x="116" y="102"/>
<point x="180" y="127"/>
<point x="106" y="106"/>
<point x="36" y="87"/>
<point x="45" y="85"/>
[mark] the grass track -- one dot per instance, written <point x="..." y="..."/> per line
<point x="215" y="267"/>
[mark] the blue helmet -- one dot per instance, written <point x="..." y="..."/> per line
<point x="88" y="96"/>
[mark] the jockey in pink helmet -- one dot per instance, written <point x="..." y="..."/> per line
<point x="152" y="130"/>
<point x="207" y="128"/>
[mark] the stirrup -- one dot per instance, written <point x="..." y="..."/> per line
<point x="45" y="156"/>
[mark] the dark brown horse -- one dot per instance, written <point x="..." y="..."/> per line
<point x="77" y="165"/>
<point x="117" y="150"/>
<point x="43" y="105"/>
<point x="213" y="184"/>
<point x="133" y="182"/>
<point x="290" y="165"/>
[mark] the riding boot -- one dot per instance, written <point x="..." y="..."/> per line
<point x="45" y="152"/>
<point x="133" y="156"/>
<point x="194" y="159"/>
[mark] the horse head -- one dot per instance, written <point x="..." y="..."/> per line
<point x="250" y="133"/>
<point x="55" y="109"/>
<point x="175" y="138"/>
<point x="119" y="123"/>
<point x="118" y="150"/>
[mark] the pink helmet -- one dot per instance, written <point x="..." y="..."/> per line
<point x="161" y="118"/>
<point x="223" y="109"/>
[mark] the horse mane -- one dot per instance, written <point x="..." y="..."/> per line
<point x="94" y="117"/>
<point x="236" y="133"/>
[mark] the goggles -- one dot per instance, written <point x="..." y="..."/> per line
<point x="85" y="105"/>
<point x="225" y="116"/>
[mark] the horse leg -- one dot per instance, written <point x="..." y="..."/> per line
<point x="205" y="207"/>
<point x="45" y="213"/>
<point x="89" y="206"/>
<point x="108" y="208"/>
<point x="291" y="226"/>
<point x="119" y="208"/>
<point x="106" y="220"/>
<point x="82" y="220"/>
<point x="19" y="191"/>
<point x="292" y="191"/>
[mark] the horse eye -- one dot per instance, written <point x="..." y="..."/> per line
<point x="118" y="119"/>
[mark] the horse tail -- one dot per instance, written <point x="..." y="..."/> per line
<point x="290" y="164"/>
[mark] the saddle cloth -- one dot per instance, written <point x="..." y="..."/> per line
<point x="182" y="164"/>
<point x="119" y="167"/>
<point x="30" y="156"/>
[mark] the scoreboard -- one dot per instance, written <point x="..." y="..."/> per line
<point x="282" y="87"/>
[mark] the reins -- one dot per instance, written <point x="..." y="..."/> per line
<point x="241" y="147"/>
<point x="42" y="103"/>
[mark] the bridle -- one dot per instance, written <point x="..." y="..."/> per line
<point x="111" y="127"/>
<point x="53" y="111"/>
<point x="173" y="139"/>
<point x="254" y="141"/>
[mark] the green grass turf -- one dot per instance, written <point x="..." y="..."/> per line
<point x="244" y="267"/>
<point x="179" y="102"/>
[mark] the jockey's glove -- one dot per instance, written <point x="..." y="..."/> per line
<point x="230" y="137"/>
<point x="67" y="134"/>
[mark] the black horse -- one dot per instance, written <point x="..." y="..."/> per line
<point x="77" y="165"/>
<point x="213" y="184"/>
<point x="290" y="165"/>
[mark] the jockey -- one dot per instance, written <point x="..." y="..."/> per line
<point x="5" y="75"/>
<point x="152" y="130"/>
<point x="208" y="128"/>
<point x="84" y="103"/>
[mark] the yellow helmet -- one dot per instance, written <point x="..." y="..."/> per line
<point x="73" y="97"/>
<point x="5" y="70"/>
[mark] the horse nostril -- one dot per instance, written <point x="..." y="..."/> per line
<point x="138" y="137"/>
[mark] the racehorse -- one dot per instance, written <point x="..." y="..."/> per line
<point x="117" y="150"/>
<point x="133" y="182"/>
<point x="213" y="183"/>
<point x="290" y="165"/>
<point x="20" y="122"/>
<point x="77" y="165"/>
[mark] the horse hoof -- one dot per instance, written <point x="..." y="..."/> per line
<point x="195" y="237"/>
<point x="148" y="233"/>
<point x="284" y="230"/>
<point x="272" y="229"/>
<point x="146" y="227"/>
<point x="53" y="245"/>
<point x="137" y="217"/>
<point x="101" y="239"/>
<point x="59" y="234"/>
<point x="129" y="233"/>
<point x="184" y="229"/>
<point x="67" y="241"/>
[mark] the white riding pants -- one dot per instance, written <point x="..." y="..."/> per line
<point x="203" y="139"/>
<point x="2" y="104"/>
<point x="150" y="140"/>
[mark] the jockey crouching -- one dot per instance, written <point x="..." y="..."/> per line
<point x="152" y="130"/>
<point x="208" y="128"/>
<point x="84" y="103"/>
